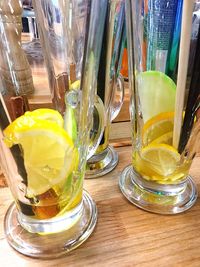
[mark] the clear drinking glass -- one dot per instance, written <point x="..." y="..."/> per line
<point x="45" y="150"/>
<point x="163" y="106"/>
<point x="110" y="86"/>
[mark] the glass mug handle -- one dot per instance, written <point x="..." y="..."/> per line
<point x="98" y="126"/>
<point x="117" y="104"/>
<point x="72" y="100"/>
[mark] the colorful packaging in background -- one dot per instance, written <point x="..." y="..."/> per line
<point x="195" y="27"/>
<point x="173" y="54"/>
<point x="161" y="14"/>
<point x="167" y="16"/>
<point x="124" y="68"/>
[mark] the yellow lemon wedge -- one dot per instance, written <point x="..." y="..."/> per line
<point x="75" y="85"/>
<point x="46" y="114"/>
<point x="161" y="158"/>
<point x="49" y="153"/>
<point x="164" y="139"/>
<point x="157" y="126"/>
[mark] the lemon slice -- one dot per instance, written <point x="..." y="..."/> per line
<point x="46" y="114"/>
<point x="156" y="92"/>
<point x="49" y="153"/>
<point x="164" y="139"/>
<point x="161" y="158"/>
<point x="75" y="85"/>
<point x="157" y="126"/>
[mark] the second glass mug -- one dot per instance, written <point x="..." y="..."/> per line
<point x="165" y="125"/>
<point x="110" y="86"/>
<point x="44" y="154"/>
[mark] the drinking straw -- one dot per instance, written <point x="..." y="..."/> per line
<point x="96" y="22"/>
<point x="87" y="23"/>
<point x="118" y="39"/>
<point x="67" y="16"/>
<point x="72" y="72"/>
<point x="112" y="48"/>
<point x="5" y="117"/>
<point x="119" y="43"/>
<point x="130" y="14"/>
<point x="186" y="29"/>
<point x="93" y="42"/>
<point x="15" y="150"/>
<point x="122" y="41"/>
<point x="102" y="70"/>
<point x="112" y="8"/>
<point x="18" y="106"/>
<point x="122" y="45"/>
<point x="193" y="100"/>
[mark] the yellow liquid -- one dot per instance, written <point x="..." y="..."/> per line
<point x="53" y="203"/>
<point x="148" y="171"/>
<point x="156" y="159"/>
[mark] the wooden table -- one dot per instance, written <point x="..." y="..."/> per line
<point x="125" y="235"/>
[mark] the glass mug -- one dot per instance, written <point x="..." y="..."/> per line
<point x="45" y="151"/>
<point x="110" y="86"/>
<point x="163" y="106"/>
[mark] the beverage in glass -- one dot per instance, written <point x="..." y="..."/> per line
<point x="44" y="151"/>
<point x="163" y="106"/>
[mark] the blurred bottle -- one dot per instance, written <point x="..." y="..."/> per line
<point x="14" y="67"/>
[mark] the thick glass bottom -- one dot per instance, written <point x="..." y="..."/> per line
<point x="55" y="244"/>
<point x="163" y="199"/>
<point x="102" y="163"/>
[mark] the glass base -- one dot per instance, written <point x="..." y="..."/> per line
<point x="163" y="199"/>
<point x="50" y="245"/>
<point x="101" y="164"/>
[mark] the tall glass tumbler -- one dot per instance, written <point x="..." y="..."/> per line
<point x="110" y="86"/>
<point x="163" y="106"/>
<point x="45" y="151"/>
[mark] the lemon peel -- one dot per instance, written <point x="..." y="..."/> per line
<point x="161" y="158"/>
<point x="157" y="126"/>
<point x="48" y="151"/>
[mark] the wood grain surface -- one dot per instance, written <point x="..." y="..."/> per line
<point x="125" y="235"/>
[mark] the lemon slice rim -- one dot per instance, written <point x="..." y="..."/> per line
<point x="46" y="114"/>
<point x="155" y="121"/>
<point x="162" y="139"/>
<point x="157" y="147"/>
<point x="25" y="124"/>
<point x="163" y="116"/>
